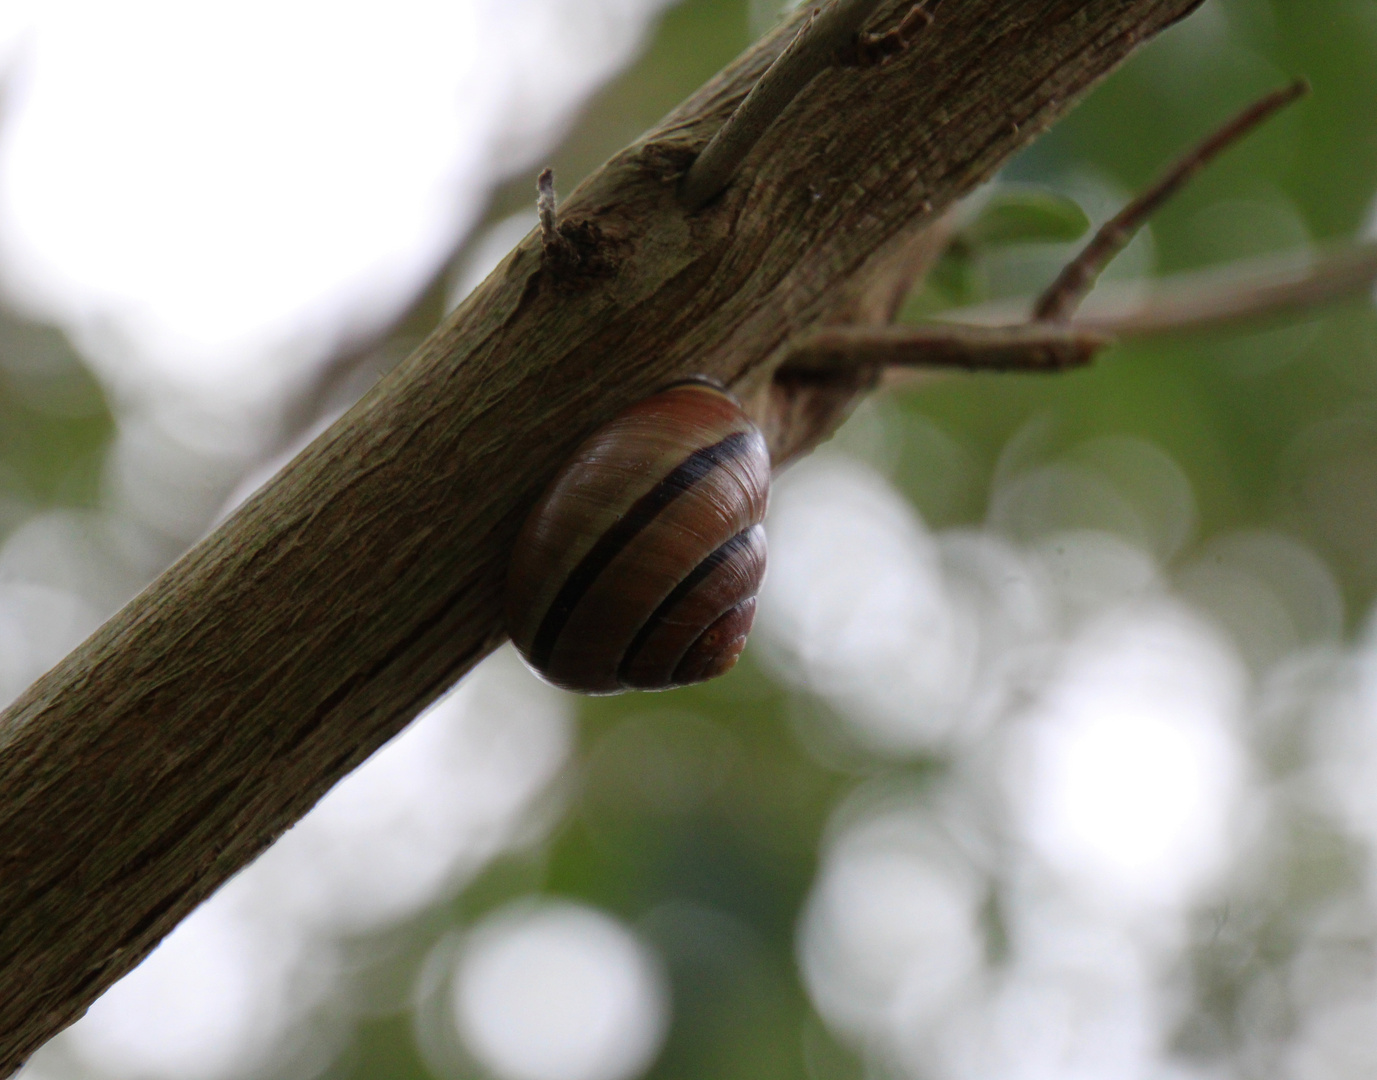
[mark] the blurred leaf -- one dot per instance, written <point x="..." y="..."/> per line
<point x="1025" y="215"/>
<point x="955" y="281"/>
<point x="1015" y="214"/>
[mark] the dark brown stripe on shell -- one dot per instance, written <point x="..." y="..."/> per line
<point x="692" y="581"/>
<point x="644" y="511"/>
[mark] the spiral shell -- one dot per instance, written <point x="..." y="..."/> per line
<point x="638" y="567"/>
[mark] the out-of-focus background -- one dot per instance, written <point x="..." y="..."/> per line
<point x="1054" y="754"/>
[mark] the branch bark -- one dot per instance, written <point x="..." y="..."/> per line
<point x="219" y="705"/>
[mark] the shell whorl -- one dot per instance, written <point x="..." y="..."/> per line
<point x="638" y="566"/>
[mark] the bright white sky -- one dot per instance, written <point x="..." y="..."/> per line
<point x="211" y="194"/>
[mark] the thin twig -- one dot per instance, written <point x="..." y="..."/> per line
<point x="1258" y="288"/>
<point x="1182" y="303"/>
<point x="1064" y="295"/>
<point x="825" y="30"/>
<point x="1031" y="347"/>
<point x="1203" y="299"/>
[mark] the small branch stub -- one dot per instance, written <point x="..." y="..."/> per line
<point x="576" y="251"/>
<point x="561" y="257"/>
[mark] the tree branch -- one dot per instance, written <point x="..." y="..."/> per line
<point x="982" y="338"/>
<point x="222" y="702"/>
<point x="1032" y="347"/>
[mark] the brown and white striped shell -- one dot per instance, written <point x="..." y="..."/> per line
<point x="638" y="567"/>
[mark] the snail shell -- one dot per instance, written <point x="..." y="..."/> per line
<point x="638" y="567"/>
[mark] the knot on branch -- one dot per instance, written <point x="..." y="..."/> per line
<point x="866" y="50"/>
<point x="573" y="251"/>
<point x="666" y="161"/>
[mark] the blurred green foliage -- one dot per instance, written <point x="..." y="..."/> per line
<point x="54" y="423"/>
<point x="1013" y="214"/>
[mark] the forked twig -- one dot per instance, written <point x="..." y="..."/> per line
<point x="1059" y="302"/>
<point x="1182" y="303"/>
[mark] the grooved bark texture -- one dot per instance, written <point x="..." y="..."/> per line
<point x="219" y="705"/>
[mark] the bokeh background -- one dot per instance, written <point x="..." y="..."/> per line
<point x="1054" y="754"/>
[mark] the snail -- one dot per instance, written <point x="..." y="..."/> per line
<point x="638" y="566"/>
